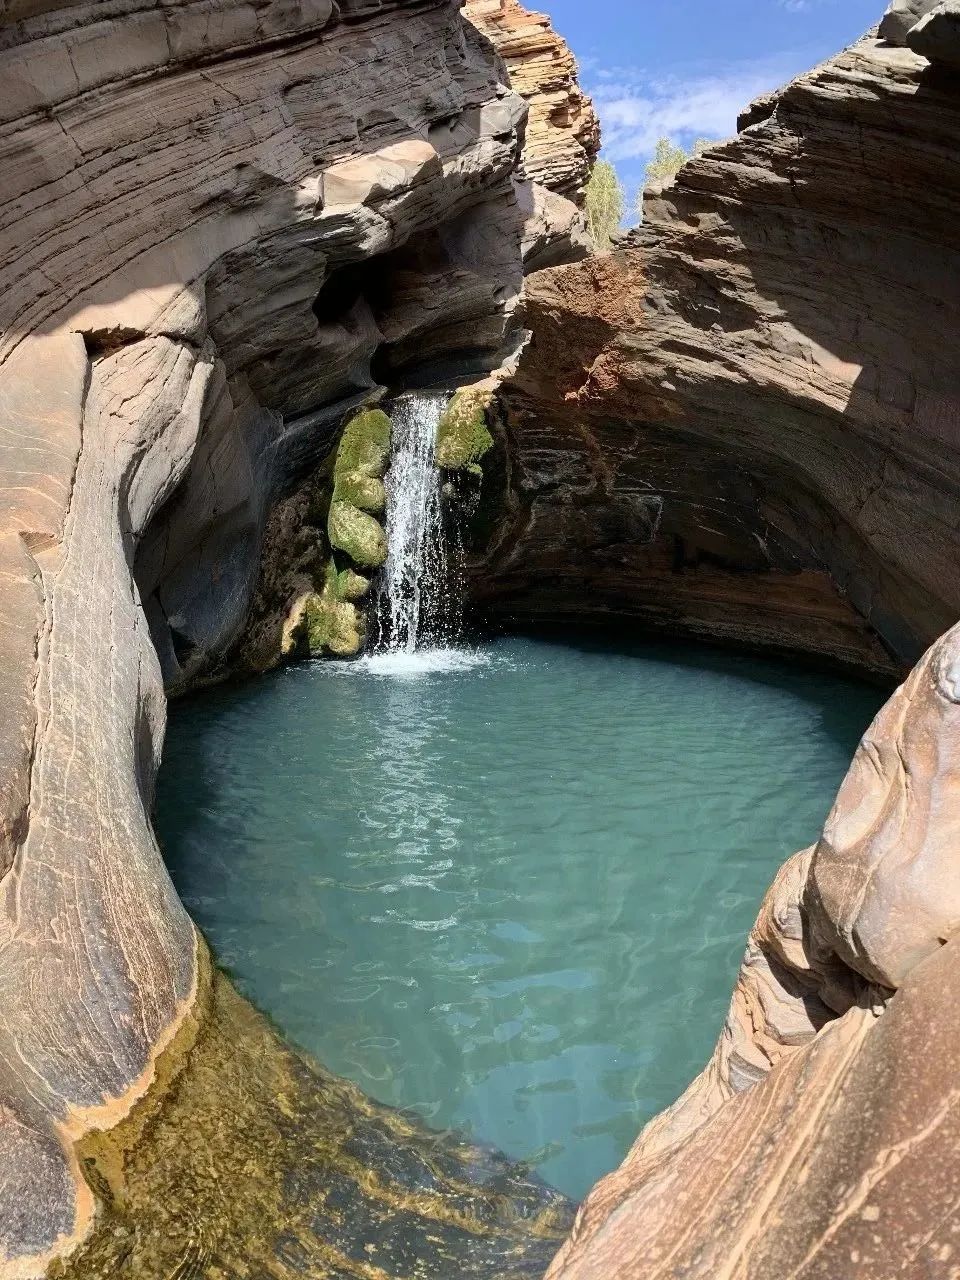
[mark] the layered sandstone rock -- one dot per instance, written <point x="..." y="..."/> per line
<point x="223" y="226"/>
<point x="743" y="424"/>
<point x="822" y="1139"/>
<point x="562" y="134"/>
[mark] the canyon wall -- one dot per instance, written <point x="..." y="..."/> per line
<point x="563" y="132"/>
<point x="224" y="226"/>
<point x="742" y="425"/>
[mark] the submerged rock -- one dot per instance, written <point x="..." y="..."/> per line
<point x="245" y="1158"/>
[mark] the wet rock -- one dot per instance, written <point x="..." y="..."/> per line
<point x="463" y="436"/>
<point x="247" y="1158"/>
<point x="361" y="461"/>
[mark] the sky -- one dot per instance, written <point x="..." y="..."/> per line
<point x="684" y="68"/>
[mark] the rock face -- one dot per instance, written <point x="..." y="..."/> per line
<point x="901" y="17"/>
<point x="246" y="1159"/>
<point x="562" y="135"/>
<point x="742" y="425"/>
<point x="822" y="1139"/>
<point x="224" y="226"/>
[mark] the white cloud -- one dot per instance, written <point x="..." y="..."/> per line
<point x="637" y="109"/>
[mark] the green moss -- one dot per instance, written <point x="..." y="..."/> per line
<point x="362" y="460"/>
<point x="357" y="534"/>
<point x="462" y="434"/>
<point x="332" y="627"/>
<point x="357" y="491"/>
<point x="364" y="492"/>
<point x="351" y="586"/>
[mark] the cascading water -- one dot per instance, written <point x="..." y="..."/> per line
<point x="417" y="601"/>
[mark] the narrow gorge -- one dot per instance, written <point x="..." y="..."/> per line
<point x="523" y="604"/>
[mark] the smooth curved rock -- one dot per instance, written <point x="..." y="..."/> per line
<point x="821" y="1140"/>
<point x="218" y="222"/>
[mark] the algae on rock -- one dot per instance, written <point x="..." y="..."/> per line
<point x="358" y="489"/>
<point x="463" y="436"/>
<point x="308" y="603"/>
<point x="330" y="619"/>
<point x="362" y="461"/>
<point x="357" y="534"/>
<point x="246" y="1158"/>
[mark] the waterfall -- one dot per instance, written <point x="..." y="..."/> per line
<point x="417" y="599"/>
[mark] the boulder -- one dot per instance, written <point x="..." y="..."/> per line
<point x="937" y="35"/>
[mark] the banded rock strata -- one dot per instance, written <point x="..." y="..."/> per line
<point x="563" y="132"/>
<point x="822" y="1140"/>
<point x="741" y="426"/>
<point x="223" y="226"/>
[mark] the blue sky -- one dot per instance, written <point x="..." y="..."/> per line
<point x="683" y="68"/>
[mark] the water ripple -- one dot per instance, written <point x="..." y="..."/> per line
<point x="508" y="888"/>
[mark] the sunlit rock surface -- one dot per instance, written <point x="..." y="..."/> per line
<point x="822" y="1139"/>
<point x="224" y="228"/>
<point x="562" y="135"/>
<point x="743" y="424"/>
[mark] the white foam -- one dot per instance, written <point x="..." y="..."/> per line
<point x="413" y="666"/>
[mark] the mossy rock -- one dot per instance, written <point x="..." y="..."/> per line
<point x="462" y="433"/>
<point x="357" y="534"/>
<point x="364" y="492"/>
<point x="351" y="586"/>
<point x="362" y="460"/>
<point x="333" y="626"/>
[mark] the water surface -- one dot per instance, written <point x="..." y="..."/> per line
<point x="508" y="890"/>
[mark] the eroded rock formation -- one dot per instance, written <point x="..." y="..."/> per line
<point x="822" y="1139"/>
<point x="742" y="424"/>
<point x="563" y="132"/>
<point x="224" y="226"/>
